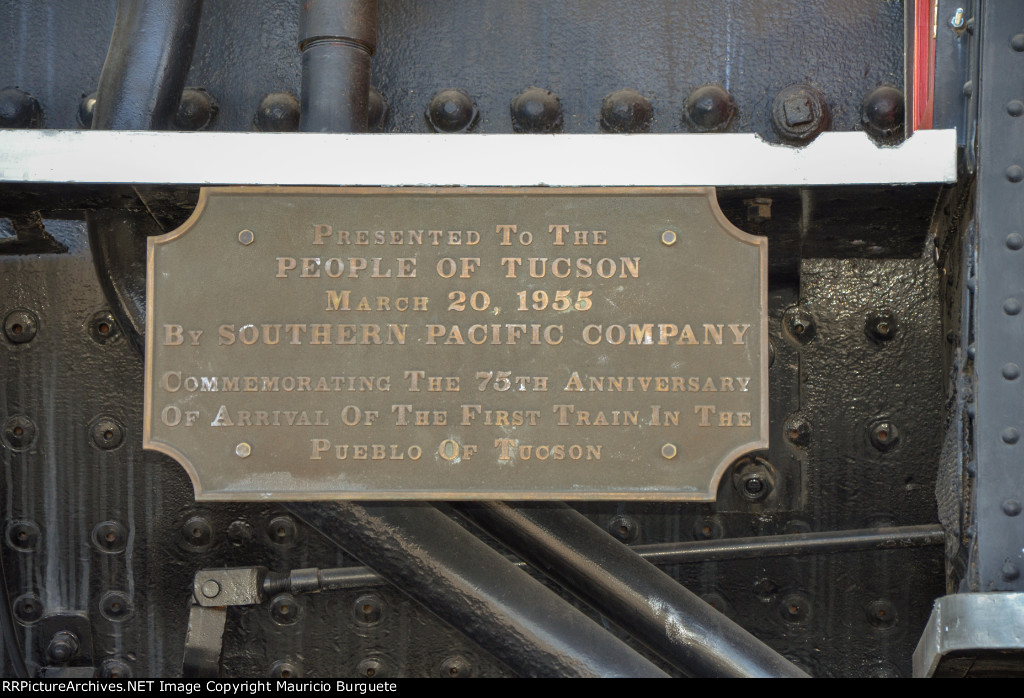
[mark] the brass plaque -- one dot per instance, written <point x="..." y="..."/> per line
<point x="314" y="343"/>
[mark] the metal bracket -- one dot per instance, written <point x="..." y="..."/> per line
<point x="967" y="634"/>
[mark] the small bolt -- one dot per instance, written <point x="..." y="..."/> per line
<point x="210" y="588"/>
<point x="881" y="327"/>
<point x="19" y="432"/>
<point x="669" y="237"/>
<point x="246" y="236"/>
<point x="957" y="20"/>
<point x="103" y="327"/>
<point x="243" y="450"/>
<point x="759" y="210"/>
<point x="372" y="668"/>
<point x="536" y="110"/>
<point x="110" y="537"/>
<point x="285" y="609"/>
<point x="880" y="614"/>
<point x="277" y="112"/>
<point x="196" y="111"/>
<point x="800" y="113"/>
<point x="709" y="108"/>
<point x="626" y="111"/>
<point x="197" y="533"/>
<point x="798" y="430"/>
<point x="20" y="326"/>
<point x="107" y="434"/>
<point x="23" y="535"/>
<point x="795" y="608"/>
<point x="63" y="647"/>
<point x="452" y="111"/>
<point x="799" y="324"/>
<point x="1011" y="507"/>
<point x="19" y="109"/>
<point x="669" y="451"/>
<point x="284" y="670"/>
<point x="115" y="606"/>
<point x="624" y="527"/>
<point x="368" y="609"/>
<point x="884" y="435"/>
<point x="455" y="667"/>
<point x="282" y="530"/>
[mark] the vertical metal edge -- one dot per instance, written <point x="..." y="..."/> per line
<point x="147" y="410"/>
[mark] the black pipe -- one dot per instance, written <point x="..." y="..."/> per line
<point x="475" y="589"/>
<point x="148" y="60"/>
<point x="337" y="39"/>
<point x="632" y="593"/>
<point x="140" y="86"/>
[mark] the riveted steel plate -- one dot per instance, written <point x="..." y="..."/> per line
<point x="313" y="343"/>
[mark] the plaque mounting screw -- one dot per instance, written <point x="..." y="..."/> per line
<point x="669" y="451"/>
<point x="246" y="237"/>
<point x="243" y="450"/>
<point x="669" y="237"/>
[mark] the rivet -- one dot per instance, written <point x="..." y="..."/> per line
<point x="285" y="609"/>
<point x="18" y="109"/>
<point x="1011" y="372"/>
<point x="243" y="450"/>
<point x="197" y="110"/>
<point x="240" y="532"/>
<point x="669" y="451"/>
<point x="1010" y="435"/>
<point x="884" y="435"/>
<point x="19" y="432"/>
<point x="795" y="608"/>
<point x="1011" y="306"/>
<point x="798" y="430"/>
<point x="971" y="351"/>
<point x="881" y="112"/>
<point x="455" y="667"/>
<point x="372" y="668"/>
<point x="1015" y="241"/>
<point x="23" y="535"/>
<point x="246" y="236"/>
<point x="368" y="609"/>
<point x="452" y="111"/>
<point x="27" y="608"/>
<point x="116" y="606"/>
<point x="968" y="88"/>
<point x="536" y="110"/>
<point x="1010" y="571"/>
<point x="1011" y="507"/>
<point x="881" y="614"/>
<point x="709" y="108"/>
<point x="277" y="112"/>
<point x="1017" y="42"/>
<point x="210" y="588"/>
<point x="1015" y="173"/>
<point x="110" y="537"/>
<point x="281" y="530"/>
<point x="284" y="670"/>
<point x="669" y="237"/>
<point x="1015" y="107"/>
<point x="197" y="534"/>
<point x="626" y="111"/>
<point x="107" y="433"/>
<point x="20" y="326"/>
<point x="624" y="527"/>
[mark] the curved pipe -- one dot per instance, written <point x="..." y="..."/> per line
<point x="475" y="589"/>
<point x="148" y="60"/>
<point x="631" y="592"/>
<point x="140" y="86"/>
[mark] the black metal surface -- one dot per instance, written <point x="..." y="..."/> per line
<point x="828" y="392"/>
<point x="633" y="594"/>
<point x="475" y="589"/>
<point x="997" y="559"/>
<point x="337" y="39"/>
